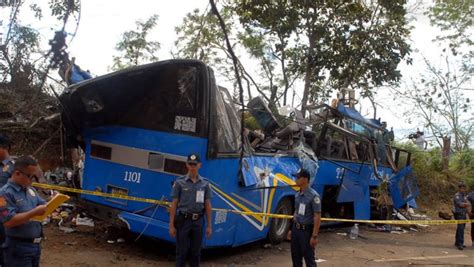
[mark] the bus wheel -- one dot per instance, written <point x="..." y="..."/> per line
<point x="279" y="227"/>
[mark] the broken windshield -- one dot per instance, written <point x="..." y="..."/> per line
<point x="156" y="97"/>
<point x="228" y="123"/>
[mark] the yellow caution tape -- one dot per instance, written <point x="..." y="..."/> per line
<point x="268" y="215"/>
<point x="100" y="194"/>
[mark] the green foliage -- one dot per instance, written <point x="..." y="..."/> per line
<point x="21" y="42"/>
<point x="61" y="9"/>
<point x="134" y="46"/>
<point x="199" y="37"/>
<point x="18" y="70"/>
<point x="455" y="19"/>
<point x="342" y="44"/>
<point x="463" y="164"/>
<point x="251" y="123"/>
<point x="435" y="184"/>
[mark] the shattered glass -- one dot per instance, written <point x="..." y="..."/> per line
<point x="227" y="124"/>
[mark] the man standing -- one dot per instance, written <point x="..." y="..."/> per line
<point x="19" y="202"/>
<point x="191" y="199"/>
<point x="470" y="197"/>
<point x="306" y="222"/>
<point x="6" y="169"/>
<point x="460" y="209"/>
<point x="6" y="162"/>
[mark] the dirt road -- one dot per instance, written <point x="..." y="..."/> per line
<point x="428" y="247"/>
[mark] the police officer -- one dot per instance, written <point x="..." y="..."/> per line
<point x="460" y="210"/>
<point x="6" y="162"/>
<point x="306" y="222"/>
<point x="19" y="202"/>
<point x="470" y="197"/>
<point x="191" y="200"/>
<point x="6" y="169"/>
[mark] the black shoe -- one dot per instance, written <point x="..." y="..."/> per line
<point x="460" y="247"/>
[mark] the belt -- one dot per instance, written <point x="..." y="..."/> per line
<point x="300" y="226"/>
<point x="26" y="240"/>
<point x="192" y="216"/>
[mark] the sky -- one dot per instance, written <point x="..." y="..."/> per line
<point x="103" y="21"/>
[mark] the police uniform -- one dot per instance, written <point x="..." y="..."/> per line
<point x="470" y="197"/>
<point x="6" y="170"/>
<point x="459" y="214"/>
<point x="307" y="203"/>
<point x="189" y="217"/>
<point x="22" y="244"/>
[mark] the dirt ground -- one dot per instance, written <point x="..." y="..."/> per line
<point x="431" y="246"/>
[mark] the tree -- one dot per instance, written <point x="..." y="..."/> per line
<point x="326" y="44"/>
<point x="438" y="98"/>
<point x="454" y="18"/>
<point x="134" y="47"/>
<point x="23" y="73"/>
<point x="16" y="69"/>
<point x="200" y="37"/>
<point x="356" y="44"/>
<point x="266" y="40"/>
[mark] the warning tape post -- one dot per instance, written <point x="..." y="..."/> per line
<point x="268" y="215"/>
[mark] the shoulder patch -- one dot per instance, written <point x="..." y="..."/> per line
<point x="31" y="192"/>
<point x="3" y="202"/>
<point x="317" y="200"/>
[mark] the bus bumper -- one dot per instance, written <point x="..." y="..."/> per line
<point x="148" y="226"/>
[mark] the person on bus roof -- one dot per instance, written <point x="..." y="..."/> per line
<point x="306" y="222"/>
<point x="191" y="200"/>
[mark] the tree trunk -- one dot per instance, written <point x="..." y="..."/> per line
<point x="446" y="152"/>
<point x="308" y="74"/>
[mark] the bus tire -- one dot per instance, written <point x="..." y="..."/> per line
<point x="279" y="227"/>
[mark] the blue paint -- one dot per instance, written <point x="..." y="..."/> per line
<point x="236" y="229"/>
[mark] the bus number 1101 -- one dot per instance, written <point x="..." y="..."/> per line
<point x="133" y="177"/>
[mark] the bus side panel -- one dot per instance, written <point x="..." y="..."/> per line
<point x="263" y="196"/>
<point x="222" y="174"/>
<point x="111" y="172"/>
<point x="362" y="177"/>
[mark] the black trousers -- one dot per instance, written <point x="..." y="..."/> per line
<point x="21" y="254"/>
<point x="460" y="229"/>
<point x="2" y="241"/>
<point x="472" y="230"/>
<point x="300" y="248"/>
<point x="188" y="241"/>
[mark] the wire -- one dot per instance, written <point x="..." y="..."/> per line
<point x="79" y="10"/>
<point x="147" y="224"/>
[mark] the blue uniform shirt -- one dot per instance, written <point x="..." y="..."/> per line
<point x="458" y="199"/>
<point x="15" y="199"/>
<point x="307" y="203"/>
<point x="6" y="170"/>
<point x="191" y="196"/>
<point x="470" y="197"/>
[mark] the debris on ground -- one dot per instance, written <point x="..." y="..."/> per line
<point x="86" y="221"/>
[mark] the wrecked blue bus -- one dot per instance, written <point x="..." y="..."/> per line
<point x="136" y="127"/>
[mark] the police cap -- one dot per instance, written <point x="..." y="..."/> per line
<point x="193" y="158"/>
<point x="4" y="140"/>
<point x="301" y="173"/>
